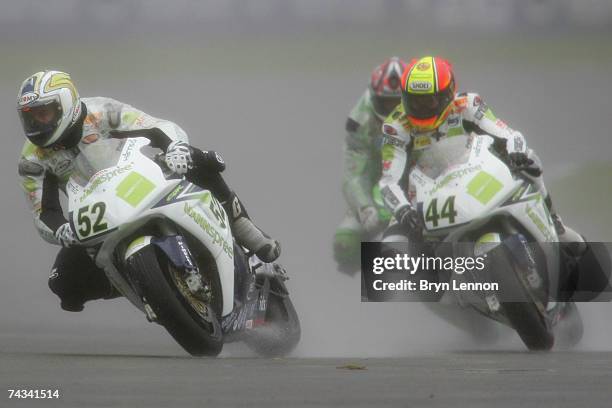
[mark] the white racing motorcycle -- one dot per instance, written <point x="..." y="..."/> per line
<point x="166" y="245"/>
<point x="473" y="204"/>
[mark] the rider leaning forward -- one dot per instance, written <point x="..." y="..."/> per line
<point x="431" y="110"/>
<point x="366" y="216"/>
<point x="57" y="122"/>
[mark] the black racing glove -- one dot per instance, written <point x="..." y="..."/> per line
<point x="522" y="162"/>
<point x="207" y="160"/>
<point x="66" y="236"/>
<point x="184" y="159"/>
<point x="408" y="217"/>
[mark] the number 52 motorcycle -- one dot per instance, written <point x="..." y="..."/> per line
<point x="166" y="245"/>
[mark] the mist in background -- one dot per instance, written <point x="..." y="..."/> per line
<point x="138" y="16"/>
<point x="269" y="84"/>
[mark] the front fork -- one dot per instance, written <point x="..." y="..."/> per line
<point x="176" y="250"/>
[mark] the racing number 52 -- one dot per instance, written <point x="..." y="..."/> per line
<point x="85" y="216"/>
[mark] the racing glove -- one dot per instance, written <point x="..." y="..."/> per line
<point x="522" y="162"/>
<point x="66" y="236"/>
<point x="207" y="160"/>
<point x="408" y="217"/>
<point x="518" y="156"/>
<point x="178" y="157"/>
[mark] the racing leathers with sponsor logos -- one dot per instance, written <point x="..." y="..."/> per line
<point x="366" y="215"/>
<point x="468" y="113"/>
<point x="44" y="171"/>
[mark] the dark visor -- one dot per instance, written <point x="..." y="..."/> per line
<point x="384" y="105"/>
<point x="40" y="119"/>
<point x="427" y="106"/>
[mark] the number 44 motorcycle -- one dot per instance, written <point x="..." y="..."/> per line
<point x="166" y="245"/>
<point x="474" y="205"/>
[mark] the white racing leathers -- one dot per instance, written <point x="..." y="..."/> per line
<point x="44" y="171"/>
<point x="468" y="114"/>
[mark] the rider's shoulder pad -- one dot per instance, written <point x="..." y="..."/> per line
<point x="95" y="111"/>
<point x="35" y="153"/>
<point x="112" y="109"/>
<point x="29" y="168"/>
<point x="460" y="102"/>
<point x="390" y="129"/>
<point x="473" y="99"/>
<point x="470" y="105"/>
<point x="394" y="135"/>
<point x="396" y="125"/>
<point x="103" y="112"/>
<point x="396" y="130"/>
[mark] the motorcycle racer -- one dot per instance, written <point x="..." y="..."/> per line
<point x="362" y="158"/>
<point x="57" y="121"/>
<point x="431" y="110"/>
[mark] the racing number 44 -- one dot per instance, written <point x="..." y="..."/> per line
<point x="447" y="211"/>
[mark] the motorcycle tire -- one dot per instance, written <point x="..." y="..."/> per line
<point x="151" y="272"/>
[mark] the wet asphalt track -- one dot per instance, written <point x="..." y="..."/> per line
<point x="460" y="379"/>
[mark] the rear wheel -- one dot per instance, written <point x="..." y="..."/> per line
<point x="191" y="320"/>
<point x="281" y="330"/>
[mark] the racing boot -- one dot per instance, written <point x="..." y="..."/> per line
<point x="247" y="234"/>
<point x="575" y="242"/>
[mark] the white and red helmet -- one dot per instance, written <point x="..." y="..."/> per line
<point x="48" y="104"/>
<point x="386" y="86"/>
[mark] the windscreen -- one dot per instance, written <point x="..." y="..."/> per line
<point x="95" y="157"/>
<point x="441" y="155"/>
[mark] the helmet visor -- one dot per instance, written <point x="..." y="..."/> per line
<point x="40" y="120"/>
<point x="384" y="105"/>
<point x="427" y="106"/>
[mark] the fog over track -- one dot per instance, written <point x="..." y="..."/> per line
<point x="275" y="109"/>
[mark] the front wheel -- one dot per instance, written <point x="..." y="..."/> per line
<point x="525" y="315"/>
<point x="193" y="324"/>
